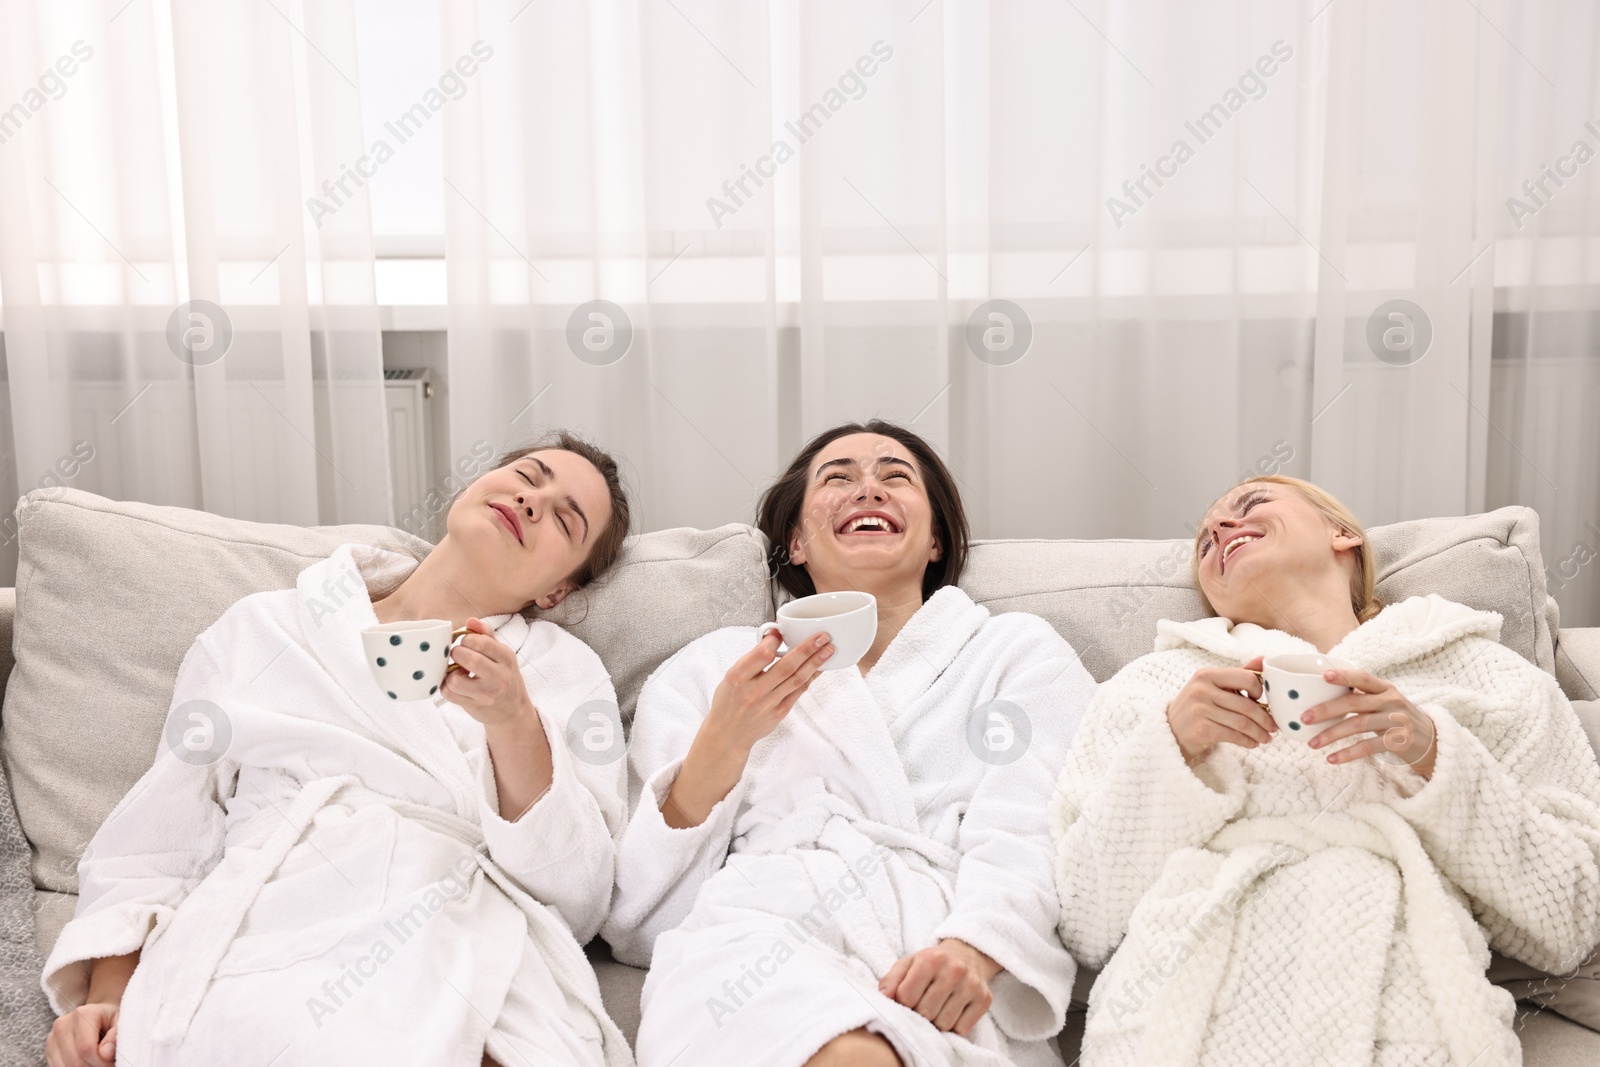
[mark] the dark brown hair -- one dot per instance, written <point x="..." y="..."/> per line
<point x="778" y="514"/>
<point x="608" y="546"/>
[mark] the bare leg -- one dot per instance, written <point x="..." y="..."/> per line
<point x="857" y="1048"/>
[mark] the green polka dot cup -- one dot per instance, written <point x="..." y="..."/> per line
<point x="410" y="659"/>
<point x="1291" y="685"/>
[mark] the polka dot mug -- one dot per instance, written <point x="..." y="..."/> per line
<point x="410" y="659"/>
<point x="1291" y="685"/>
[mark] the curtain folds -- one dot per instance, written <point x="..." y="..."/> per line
<point x="1108" y="256"/>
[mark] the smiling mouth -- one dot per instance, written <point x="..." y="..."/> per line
<point x="1234" y="546"/>
<point x="868" y="525"/>
<point x="509" y="522"/>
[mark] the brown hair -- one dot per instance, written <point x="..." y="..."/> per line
<point x="608" y="546"/>
<point x="1363" y="583"/>
<point x="778" y="514"/>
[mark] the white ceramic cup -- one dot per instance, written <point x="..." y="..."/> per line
<point x="410" y="659"/>
<point x="1291" y="685"/>
<point x="850" y="619"/>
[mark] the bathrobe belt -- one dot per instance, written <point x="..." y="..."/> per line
<point x="804" y="828"/>
<point x="213" y="912"/>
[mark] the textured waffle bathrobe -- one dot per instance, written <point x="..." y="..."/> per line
<point x="882" y="815"/>
<point x="1268" y="907"/>
<point x="340" y="886"/>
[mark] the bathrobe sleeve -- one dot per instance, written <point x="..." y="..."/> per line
<point x="1126" y="801"/>
<point x="660" y="869"/>
<point x="1005" y="902"/>
<point x="1511" y="814"/>
<point x="158" y="843"/>
<point x="562" y="849"/>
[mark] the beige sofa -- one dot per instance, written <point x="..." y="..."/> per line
<point x="110" y="595"/>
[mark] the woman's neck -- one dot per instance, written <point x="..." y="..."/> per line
<point x="1322" y="616"/>
<point x="897" y="602"/>
<point x="436" y="589"/>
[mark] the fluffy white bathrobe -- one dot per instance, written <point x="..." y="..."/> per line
<point x="864" y="828"/>
<point x="1274" y="908"/>
<point x="340" y="887"/>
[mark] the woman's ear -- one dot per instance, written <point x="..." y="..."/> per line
<point x="1343" y="539"/>
<point x="797" y="554"/>
<point x="555" y="596"/>
<point x="936" y="553"/>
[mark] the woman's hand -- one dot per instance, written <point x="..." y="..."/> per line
<point x="489" y="686"/>
<point x="84" y="1037"/>
<point x="748" y="704"/>
<point x="87" y="1035"/>
<point x="948" y="984"/>
<point x="1374" y="706"/>
<point x="753" y="697"/>
<point x="1209" y="710"/>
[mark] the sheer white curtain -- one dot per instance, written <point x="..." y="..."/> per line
<point x="164" y="153"/>
<point x="1186" y="327"/>
<point x="1247" y="235"/>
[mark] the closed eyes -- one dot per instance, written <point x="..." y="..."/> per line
<point x="1244" y="507"/>
<point x="559" y="517"/>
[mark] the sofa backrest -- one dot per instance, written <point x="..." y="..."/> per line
<point x="110" y="595"/>
<point x="1105" y="597"/>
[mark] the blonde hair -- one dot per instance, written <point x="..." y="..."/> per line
<point x="1363" y="583"/>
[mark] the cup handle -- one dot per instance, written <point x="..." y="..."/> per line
<point x="1262" y="699"/>
<point x="771" y="628"/>
<point x="455" y="636"/>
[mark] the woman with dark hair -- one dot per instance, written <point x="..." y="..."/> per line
<point x="1325" y="893"/>
<point x="354" y="877"/>
<point x="853" y="867"/>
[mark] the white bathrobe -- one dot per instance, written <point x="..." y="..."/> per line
<point x="1274" y="908"/>
<point x="865" y="827"/>
<point x="340" y="887"/>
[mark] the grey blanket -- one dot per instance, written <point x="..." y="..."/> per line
<point x="25" y="1015"/>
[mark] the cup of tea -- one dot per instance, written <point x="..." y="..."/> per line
<point x="849" y="617"/>
<point x="1292" y="684"/>
<point x="410" y="659"/>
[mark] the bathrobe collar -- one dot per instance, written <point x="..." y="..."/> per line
<point x="335" y="605"/>
<point x="1398" y="634"/>
<point x="856" y="716"/>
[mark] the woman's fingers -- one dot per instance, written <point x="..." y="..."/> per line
<point x="1232" y="679"/>
<point x="792" y="668"/>
<point x="1251" y="710"/>
<point x="1359" y="680"/>
<point x="1367" y="746"/>
<point x="1242" y="722"/>
<point x="972" y="1013"/>
<point x="1341" y="706"/>
<point x="758" y="659"/>
<point x="1216" y="731"/>
<point x="85" y="1042"/>
<point x="914" y="983"/>
<point x="942" y="1004"/>
<point x="890" y="982"/>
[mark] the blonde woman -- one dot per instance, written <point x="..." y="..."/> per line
<point x="1256" y="899"/>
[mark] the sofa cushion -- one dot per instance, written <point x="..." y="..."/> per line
<point x="111" y="594"/>
<point x="1105" y="597"/>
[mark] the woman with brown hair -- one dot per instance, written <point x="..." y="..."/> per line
<point x="351" y="877"/>
<point x="852" y="867"/>
<point x="1259" y="896"/>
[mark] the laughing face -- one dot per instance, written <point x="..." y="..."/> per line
<point x="866" y="518"/>
<point x="534" y="521"/>
<point x="1260" y="535"/>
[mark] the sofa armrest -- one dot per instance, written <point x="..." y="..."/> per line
<point x="1578" y="662"/>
